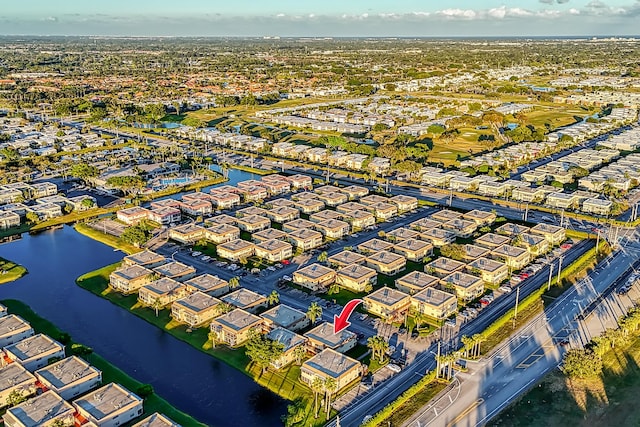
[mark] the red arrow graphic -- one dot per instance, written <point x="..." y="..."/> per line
<point x="342" y="321"/>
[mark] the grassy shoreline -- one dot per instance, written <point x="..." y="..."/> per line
<point x="13" y="271"/>
<point x="284" y="383"/>
<point x="110" y="373"/>
<point x="107" y="239"/>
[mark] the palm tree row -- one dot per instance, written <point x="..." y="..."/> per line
<point x="471" y="345"/>
<point x="327" y="386"/>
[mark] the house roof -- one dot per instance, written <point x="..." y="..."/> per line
<point x="106" y="400"/>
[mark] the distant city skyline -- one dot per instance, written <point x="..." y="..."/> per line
<point x="286" y="18"/>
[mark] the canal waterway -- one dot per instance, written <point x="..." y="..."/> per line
<point x="194" y="382"/>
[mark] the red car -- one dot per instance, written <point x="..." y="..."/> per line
<point x="285" y="262"/>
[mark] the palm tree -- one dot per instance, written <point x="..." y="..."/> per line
<point x="330" y="386"/>
<point x="478" y="339"/>
<point x="317" y="385"/>
<point x="322" y="257"/>
<point x="156" y="305"/>
<point x="234" y="282"/>
<point x="379" y="346"/>
<point x="314" y="312"/>
<point x="299" y="353"/>
<point x="468" y="344"/>
<point x="273" y="298"/>
<point x="333" y="289"/>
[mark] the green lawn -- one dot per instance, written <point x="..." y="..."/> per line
<point x="110" y="373"/>
<point x="107" y="239"/>
<point x="10" y="271"/>
<point x="284" y="382"/>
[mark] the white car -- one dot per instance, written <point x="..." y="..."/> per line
<point x="395" y="368"/>
<point x="205" y="258"/>
<point x="196" y="253"/>
<point x="505" y="289"/>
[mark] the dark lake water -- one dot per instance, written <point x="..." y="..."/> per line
<point x="194" y="382"/>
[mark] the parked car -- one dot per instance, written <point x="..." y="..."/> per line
<point x="196" y="253"/>
<point x="393" y="367"/>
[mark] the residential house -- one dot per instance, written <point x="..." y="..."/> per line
<point x="196" y="207"/>
<point x="445" y="215"/>
<point x="129" y="279"/>
<point x="424" y="224"/>
<point x="492" y="272"/>
<point x="434" y="303"/>
<point x="415" y="281"/>
<point x="224" y="200"/>
<point x="187" y="234"/>
<point x="34" y="352"/>
<point x="133" y="215"/>
<point x="290" y="341"/>
<point x="528" y="194"/>
<point x="156" y="420"/>
<point x="269" y="234"/>
<point x="9" y="220"/>
<point x="327" y="189"/>
<point x="384" y="211"/>
<point x="235" y="327"/>
<point x="400" y="234"/>
<point x="283" y="316"/>
<point x="466" y="286"/>
<point x="438" y="236"/>
<point x="331" y="364"/>
<point x="315" y="277"/>
<point x="390" y="304"/>
<point x="165" y="203"/>
<point x="344" y="258"/>
<point x="300" y="181"/>
<point x="374" y="245"/>
<point x="14" y="378"/>
<point x="562" y="200"/>
<point x="221" y="233"/>
<point x="511" y="230"/>
<point x="309" y="205"/>
<point x="253" y="223"/>
<point x="251" y="210"/>
<point x="69" y="377"/>
<point x="515" y="258"/>
<point x="325" y="215"/>
<point x="349" y="207"/>
<point x="146" y="258"/>
<point x="594" y="206"/>
<point x="245" y="299"/>
<point x="322" y="337"/>
<point x="333" y="199"/>
<point x="473" y="252"/>
<point x="386" y="262"/>
<point x="492" y="240"/>
<point x="43" y="410"/>
<point x="413" y="250"/>
<point x="355" y="192"/>
<point x="404" y="203"/>
<point x="223" y="219"/>
<point x="165" y="216"/>
<point x="442" y="267"/>
<point x="109" y="406"/>
<point x="373" y="199"/>
<point x="162" y="292"/>
<point x="283" y="214"/>
<point x="360" y="219"/>
<point x="305" y="239"/>
<point x="461" y="227"/>
<point x="535" y="243"/>
<point x="554" y="234"/>
<point x="273" y="250"/>
<point x="356" y="277"/>
<point x="481" y="218"/>
<point x="253" y="193"/>
<point x="209" y="284"/>
<point x="333" y="228"/>
<point x="297" y="224"/>
<point x="236" y="250"/>
<point x="176" y="270"/>
<point x="195" y="309"/>
<point x="13" y="329"/>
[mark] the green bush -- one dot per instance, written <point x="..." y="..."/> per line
<point x="145" y="390"/>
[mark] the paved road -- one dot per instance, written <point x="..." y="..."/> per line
<point x="494" y="382"/>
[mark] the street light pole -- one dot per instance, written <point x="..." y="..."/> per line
<point x="559" y="268"/>
<point x="515" y="313"/>
<point x="550" y="275"/>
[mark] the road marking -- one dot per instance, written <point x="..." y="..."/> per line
<point x="466" y="412"/>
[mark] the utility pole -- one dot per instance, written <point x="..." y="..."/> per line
<point x="438" y="361"/>
<point x="598" y="243"/>
<point x="450" y="197"/>
<point x="550" y="276"/>
<point x="559" y="268"/>
<point x="515" y="313"/>
<point x="526" y="212"/>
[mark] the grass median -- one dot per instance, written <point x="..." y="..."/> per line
<point x="110" y="373"/>
<point x="283" y="382"/>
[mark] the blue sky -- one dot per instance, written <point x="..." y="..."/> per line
<point x="321" y="18"/>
